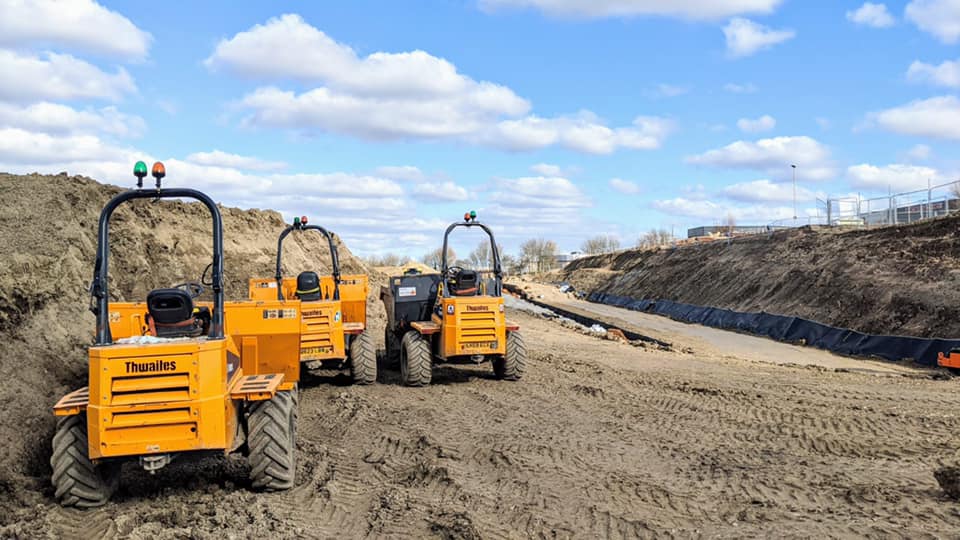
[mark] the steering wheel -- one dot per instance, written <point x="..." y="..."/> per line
<point x="452" y="271"/>
<point x="193" y="288"/>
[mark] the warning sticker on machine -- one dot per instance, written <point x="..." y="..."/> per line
<point x="406" y="291"/>
<point x="279" y="313"/>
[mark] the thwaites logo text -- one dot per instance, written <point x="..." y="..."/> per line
<point x="478" y="308"/>
<point x="154" y="366"/>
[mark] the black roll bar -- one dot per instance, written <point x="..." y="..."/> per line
<point x="497" y="269"/>
<point x="99" y="289"/>
<point x="333" y="255"/>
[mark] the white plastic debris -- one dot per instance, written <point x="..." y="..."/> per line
<point x="598" y="330"/>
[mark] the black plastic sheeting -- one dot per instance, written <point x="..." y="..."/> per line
<point x="793" y="330"/>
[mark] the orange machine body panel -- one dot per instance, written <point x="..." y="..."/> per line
<point x="950" y="360"/>
<point x="353" y="293"/>
<point x="472" y="325"/>
<point x="159" y="398"/>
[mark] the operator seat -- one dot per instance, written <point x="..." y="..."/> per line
<point x="172" y="315"/>
<point x="308" y="287"/>
<point x="466" y="282"/>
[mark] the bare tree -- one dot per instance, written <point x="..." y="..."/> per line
<point x="481" y="258"/>
<point x="600" y="244"/>
<point x="387" y="259"/>
<point x="538" y="254"/>
<point x="434" y="258"/>
<point x="654" y="238"/>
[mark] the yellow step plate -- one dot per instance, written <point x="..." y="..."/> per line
<point x="72" y="403"/>
<point x="256" y="387"/>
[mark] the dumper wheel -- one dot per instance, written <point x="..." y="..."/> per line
<point x="77" y="481"/>
<point x="416" y="364"/>
<point x="363" y="360"/>
<point x="511" y="366"/>
<point x="272" y="442"/>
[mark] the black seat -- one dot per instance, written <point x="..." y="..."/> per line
<point x="172" y="314"/>
<point x="308" y="287"/>
<point x="465" y="283"/>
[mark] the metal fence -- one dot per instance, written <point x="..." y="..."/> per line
<point x="893" y="209"/>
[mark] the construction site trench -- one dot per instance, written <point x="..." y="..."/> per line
<point x="601" y="438"/>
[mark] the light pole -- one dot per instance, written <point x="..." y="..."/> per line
<point x="794" y="192"/>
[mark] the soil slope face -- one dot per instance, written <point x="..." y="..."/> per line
<point x="895" y="280"/>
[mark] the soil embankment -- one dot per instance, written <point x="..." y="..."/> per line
<point x="893" y="281"/>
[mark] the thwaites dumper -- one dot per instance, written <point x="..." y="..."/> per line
<point x="173" y="377"/>
<point x="455" y="316"/>
<point x="333" y="312"/>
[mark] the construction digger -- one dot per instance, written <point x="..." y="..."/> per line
<point x="333" y="310"/>
<point x="450" y="317"/>
<point x="174" y="377"/>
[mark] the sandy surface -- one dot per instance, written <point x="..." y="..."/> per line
<point x="601" y="439"/>
<point x="706" y="340"/>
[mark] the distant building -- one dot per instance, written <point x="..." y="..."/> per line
<point x="564" y="259"/>
<point x="721" y="230"/>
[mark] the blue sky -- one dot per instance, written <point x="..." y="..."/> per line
<point x="552" y="118"/>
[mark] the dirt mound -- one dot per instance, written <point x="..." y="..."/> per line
<point x="894" y="280"/>
<point x="48" y="228"/>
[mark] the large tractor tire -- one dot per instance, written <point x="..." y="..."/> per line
<point x="272" y="441"/>
<point x="363" y="360"/>
<point x="416" y="362"/>
<point x="77" y="481"/>
<point x="512" y="365"/>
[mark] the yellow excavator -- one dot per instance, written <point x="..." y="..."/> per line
<point x="172" y="377"/>
<point x="454" y="316"/>
<point x="333" y="312"/>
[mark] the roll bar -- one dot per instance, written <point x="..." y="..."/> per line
<point x="299" y="226"/>
<point x="98" y="288"/>
<point x="497" y="269"/>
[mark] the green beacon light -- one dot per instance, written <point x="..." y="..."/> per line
<point x="140" y="171"/>
<point x="296" y="221"/>
<point x="473" y="214"/>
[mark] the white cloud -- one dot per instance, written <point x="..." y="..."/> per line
<point x="764" y="123"/>
<point x="710" y="212"/>
<point x="920" y="152"/>
<point x="58" y="119"/>
<point x="442" y="191"/>
<point x="398" y="96"/>
<point x="934" y="117"/>
<point x="941" y="18"/>
<point x="401" y="172"/>
<point x="870" y="14"/>
<point x="218" y="158"/>
<point x="58" y="76"/>
<point x="946" y="74"/>
<point x="897" y="177"/>
<point x="824" y="123"/>
<point x="624" y="186"/>
<point x="545" y="169"/>
<point x="19" y="146"/>
<point x="684" y="9"/>
<point x="773" y="156"/>
<point x="583" y="133"/>
<point x="733" y="88"/>
<point x="767" y="191"/>
<point x="79" y="24"/>
<point x="745" y="37"/>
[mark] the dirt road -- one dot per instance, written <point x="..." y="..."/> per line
<point x="711" y="341"/>
<point x="601" y="439"/>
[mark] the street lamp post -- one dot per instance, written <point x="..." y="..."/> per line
<point x="794" y="192"/>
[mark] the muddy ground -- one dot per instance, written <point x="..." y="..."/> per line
<point x="902" y="280"/>
<point x="600" y="439"/>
